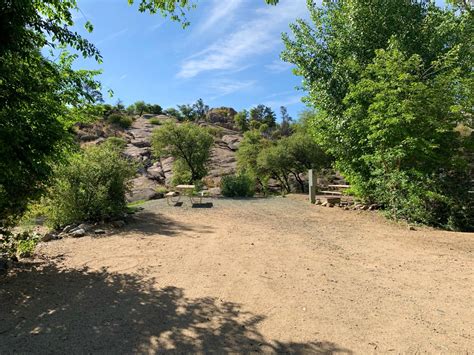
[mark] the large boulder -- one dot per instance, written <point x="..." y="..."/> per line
<point x="223" y="116"/>
<point x="143" y="189"/>
<point x="232" y="141"/>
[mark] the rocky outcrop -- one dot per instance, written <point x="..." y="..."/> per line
<point x="155" y="173"/>
<point x="222" y="116"/>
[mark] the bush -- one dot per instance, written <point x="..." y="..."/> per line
<point x="90" y="187"/>
<point x="237" y="186"/>
<point x="155" y="121"/>
<point x="120" y="120"/>
<point x="20" y="245"/>
<point x="116" y="142"/>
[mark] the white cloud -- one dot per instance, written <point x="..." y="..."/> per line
<point x="221" y="10"/>
<point x="226" y="86"/>
<point x="124" y="76"/>
<point x="154" y="27"/>
<point x="286" y="101"/>
<point x="112" y="36"/>
<point x="278" y="66"/>
<point x="254" y="37"/>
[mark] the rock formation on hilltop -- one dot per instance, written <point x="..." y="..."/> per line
<point x="154" y="172"/>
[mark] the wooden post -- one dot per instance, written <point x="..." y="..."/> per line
<point x="312" y="185"/>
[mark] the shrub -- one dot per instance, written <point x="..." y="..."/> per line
<point x="120" y="120"/>
<point x="116" y="142"/>
<point x="90" y="187"/>
<point x="240" y="185"/>
<point x="20" y="244"/>
<point x="155" y="121"/>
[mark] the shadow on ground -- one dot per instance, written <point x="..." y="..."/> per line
<point x="157" y="224"/>
<point x="47" y="309"/>
<point x="203" y="205"/>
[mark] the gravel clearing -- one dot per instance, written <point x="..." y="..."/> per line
<point x="272" y="275"/>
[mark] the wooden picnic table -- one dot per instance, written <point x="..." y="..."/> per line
<point x="188" y="190"/>
<point x="185" y="188"/>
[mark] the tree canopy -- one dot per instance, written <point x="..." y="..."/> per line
<point x="188" y="143"/>
<point x="390" y="87"/>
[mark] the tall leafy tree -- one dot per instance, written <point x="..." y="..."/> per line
<point x="188" y="143"/>
<point x="200" y="109"/>
<point x="241" y="120"/>
<point x="389" y="88"/>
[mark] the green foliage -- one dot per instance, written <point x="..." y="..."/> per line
<point x="181" y="173"/>
<point x="189" y="144"/>
<point x="20" y="245"/>
<point x="390" y="87"/>
<point x="155" y="121"/>
<point x="35" y="124"/>
<point x="241" y="120"/>
<point x="241" y="185"/>
<point x="200" y="109"/>
<point x="247" y="154"/>
<point x="39" y="97"/>
<point x="172" y="112"/>
<point x="155" y="109"/>
<point x="187" y="112"/>
<point x="116" y="143"/>
<point x="263" y="115"/>
<point x="140" y="106"/>
<point x="91" y="186"/>
<point x="120" y="120"/>
<point x="216" y="131"/>
<point x="290" y="156"/>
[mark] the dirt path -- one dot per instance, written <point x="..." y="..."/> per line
<point x="255" y="275"/>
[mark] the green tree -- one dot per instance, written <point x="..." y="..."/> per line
<point x="173" y="113"/>
<point x="247" y="154"/>
<point x="188" y="143"/>
<point x="389" y="87"/>
<point x="304" y="154"/>
<point x="187" y="112"/>
<point x="275" y="162"/>
<point x="284" y="127"/>
<point x="263" y="115"/>
<point x="140" y="107"/>
<point x="241" y="120"/>
<point x="200" y="109"/>
<point x="155" y="109"/>
<point x="36" y="94"/>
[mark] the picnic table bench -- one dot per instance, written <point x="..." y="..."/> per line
<point x="173" y="197"/>
<point x="336" y="189"/>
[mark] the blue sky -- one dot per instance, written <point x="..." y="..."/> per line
<point x="228" y="56"/>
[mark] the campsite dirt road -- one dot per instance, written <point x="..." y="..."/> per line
<point x="272" y="275"/>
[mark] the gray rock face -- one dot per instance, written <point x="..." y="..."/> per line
<point x="69" y="228"/>
<point x="232" y="141"/>
<point x="77" y="233"/>
<point x="155" y="172"/>
<point x="144" y="188"/>
<point x="85" y="226"/>
<point x="48" y="237"/>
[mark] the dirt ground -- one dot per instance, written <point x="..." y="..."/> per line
<point x="272" y="275"/>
